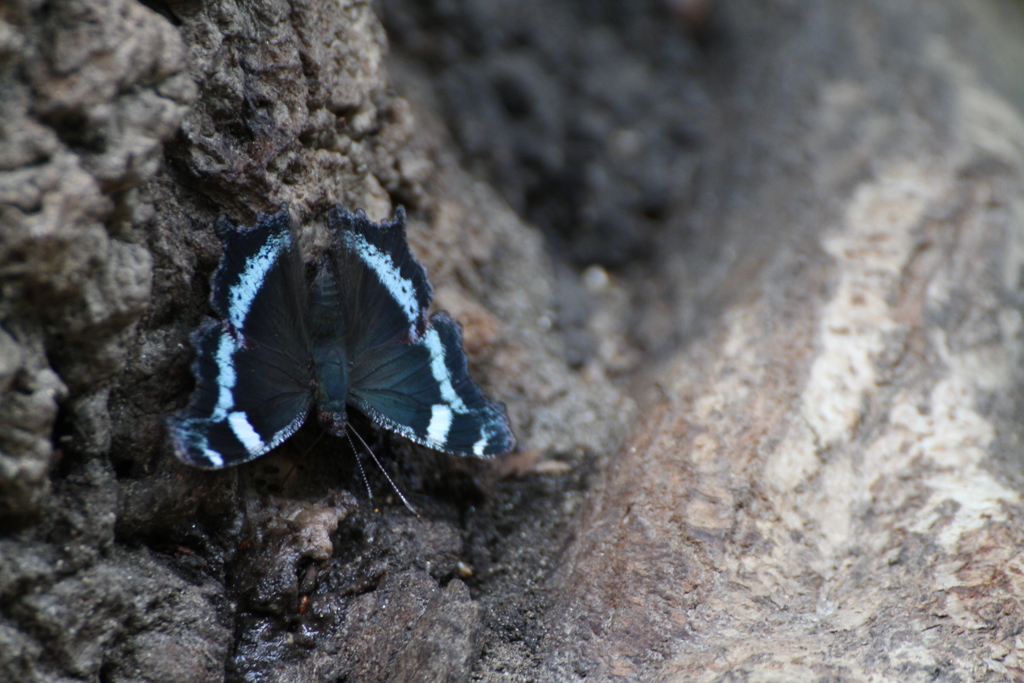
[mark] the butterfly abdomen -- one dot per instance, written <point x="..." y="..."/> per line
<point x="330" y="380"/>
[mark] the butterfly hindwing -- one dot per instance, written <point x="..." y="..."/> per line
<point x="252" y="367"/>
<point x="244" y="403"/>
<point x="423" y="391"/>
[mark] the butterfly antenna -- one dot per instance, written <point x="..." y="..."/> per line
<point x="405" y="501"/>
<point x="359" y="464"/>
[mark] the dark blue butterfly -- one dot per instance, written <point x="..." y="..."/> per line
<point x="356" y="336"/>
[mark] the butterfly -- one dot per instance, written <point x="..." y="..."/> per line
<point x="357" y="336"/>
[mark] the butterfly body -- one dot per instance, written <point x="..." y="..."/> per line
<point x="330" y="388"/>
<point x="357" y="336"/>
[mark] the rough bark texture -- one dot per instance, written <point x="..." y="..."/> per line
<point x="805" y="237"/>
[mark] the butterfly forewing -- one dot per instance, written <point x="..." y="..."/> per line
<point x="260" y="288"/>
<point x="253" y="366"/>
<point x="383" y="289"/>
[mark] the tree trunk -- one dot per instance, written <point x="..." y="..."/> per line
<point x="790" y="233"/>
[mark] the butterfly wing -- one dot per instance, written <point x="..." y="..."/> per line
<point x="423" y="391"/>
<point x="369" y="292"/>
<point x="246" y="402"/>
<point x="252" y="367"/>
<point x="372" y="279"/>
<point x="407" y="374"/>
